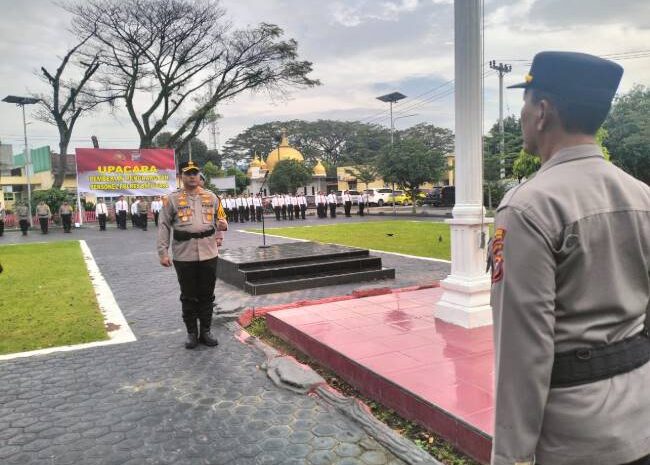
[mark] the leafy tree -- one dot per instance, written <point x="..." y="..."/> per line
<point x="241" y="180"/>
<point x="364" y="173"/>
<point x="628" y="133"/>
<point x="185" y="56"/>
<point x="54" y="197"/>
<point x="410" y="163"/>
<point x="288" y="176"/>
<point x="438" y="140"/>
<point x="332" y="142"/>
<point x="68" y="99"/>
<point x="525" y="165"/>
<point x="200" y="153"/>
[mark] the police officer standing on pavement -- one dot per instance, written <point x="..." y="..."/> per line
<point x="259" y="208"/>
<point x="195" y="219"/>
<point x="571" y="283"/>
<point x="331" y="201"/>
<point x="277" y="208"/>
<point x="296" y="206"/>
<point x="44" y="214"/>
<point x="23" y="217"/>
<point x="321" y="204"/>
<point x="65" y="213"/>
<point x="156" y="206"/>
<point x="347" y="203"/>
<point x="363" y="201"/>
<point x="143" y="211"/>
<point x="302" y="205"/>
<point x="102" y="212"/>
<point x="241" y="207"/>
<point x="121" y="208"/>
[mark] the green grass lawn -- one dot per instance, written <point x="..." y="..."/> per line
<point x="420" y="238"/>
<point x="46" y="298"/>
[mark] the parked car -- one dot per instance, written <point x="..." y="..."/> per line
<point x="355" y="197"/>
<point x="441" y="197"/>
<point x="379" y="197"/>
<point x="400" y="198"/>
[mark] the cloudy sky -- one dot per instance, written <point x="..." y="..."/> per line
<point x="360" y="49"/>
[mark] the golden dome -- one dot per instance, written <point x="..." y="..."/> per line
<point x="319" y="169"/>
<point x="283" y="152"/>
<point x="256" y="163"/>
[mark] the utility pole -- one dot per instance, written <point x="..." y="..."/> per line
<point x="502" y="70"/>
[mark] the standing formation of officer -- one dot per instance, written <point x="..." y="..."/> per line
<point x="121" y="209"/>
<point x="44" y="215"/>
<point x="65" y="213"/>
<point x="101" y="211"/>
<point x="156" y="206"/>
<point x="195" y="219"/>
<point x="570" y="263"/>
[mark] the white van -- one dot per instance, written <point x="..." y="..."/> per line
<point x="379" y="197"/>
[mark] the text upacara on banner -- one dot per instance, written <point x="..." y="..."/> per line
<point x="112" y="172"/>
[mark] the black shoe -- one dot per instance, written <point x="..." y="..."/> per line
<point x="207" y="339"/>
<point x="192" y="341"/>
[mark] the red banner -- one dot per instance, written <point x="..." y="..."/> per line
<point x="112" y="172"/>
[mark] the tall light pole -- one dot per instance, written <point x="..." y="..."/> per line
<point x="21" y="102"/>
<point x="501" y="69"/>
<point x="466" y="291"/>
<point x="392" y="98"/>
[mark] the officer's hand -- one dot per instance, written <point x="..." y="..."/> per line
<point x="165" y="261"/>
<point x="222" y="225"/>
<point x="219" y="242"/>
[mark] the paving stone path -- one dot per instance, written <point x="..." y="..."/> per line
<point x="152" y="401"/>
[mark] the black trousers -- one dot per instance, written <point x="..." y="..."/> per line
<point x="44" y="222"/>
<point x="332" y="210"/>
<point x="227" y="212"/>
<point x="102" y="221"/>
<point x="284" y="212"/>
<point x="247" y="213"/>
<point x="320" y="208"/>
<point x="235" y="214"/>
<point x="347" y="207"/>
<point x="303" y="210"/>
<point x="143" y="221"/>
<point x="2" y="227"/>
<point x="241" y="214"/>
<point x="290" y="211"/>
<point x="155" y="217"/>
<point x="361" y="207"/>
<point x="259" y="211"/>
<point x="252" y="209"/>
<point x="134" y="220"/>
<point x="67" y="222"/>
<point x="277" y="213"/>
<point x="24" y="226"/>
<point x="121" y="219"/>
<point x="197" y="280"/>
<point x="296" y="211"/>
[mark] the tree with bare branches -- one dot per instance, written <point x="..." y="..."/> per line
<point x="68" y="98"/>
<point x="175" y="60"/>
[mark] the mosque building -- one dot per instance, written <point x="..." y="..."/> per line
<point x="258" y="169"/>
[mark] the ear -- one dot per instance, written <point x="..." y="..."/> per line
<point x="543" y="113"/>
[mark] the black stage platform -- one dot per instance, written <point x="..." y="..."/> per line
<point x="298" y="265"/>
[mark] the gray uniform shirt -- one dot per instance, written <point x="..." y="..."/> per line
<point x="191" y="213"/>
<point x="571" y="270"/>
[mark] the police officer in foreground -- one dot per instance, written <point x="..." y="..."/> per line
<point x="22" y="211"/>
<point x="571" y="283"/>
<point x="44" y="214"/>
<point x="196" y="220"/>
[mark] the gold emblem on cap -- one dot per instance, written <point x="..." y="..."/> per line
<point x="528" y="78"/>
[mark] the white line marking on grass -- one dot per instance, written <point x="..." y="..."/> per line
<point x="429" y="259"/>
<point x="111" y="312"/>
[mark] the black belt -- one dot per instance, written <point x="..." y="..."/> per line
<point x="182" y="236"/>
<point x="582" y="366"/>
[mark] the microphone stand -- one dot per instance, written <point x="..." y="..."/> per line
<point x="263" y="246"/>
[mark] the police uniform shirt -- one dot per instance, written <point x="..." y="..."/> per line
<point x="156" y="205"/>
<point x="249" y="201"/>
<point x="134" y="207"/>
<point x="281" y="200"/>
<point x="331" y="199"/>
<point x="302" y="200"/>
<point x="287" y="200"/>
<point x="121" y="205"/>
<point x="257" y="201"/>
<point x="347" y="198"/>
<point x="65" y="210"/>
<point x="294" y="200"/>
<point x="570" y="261"/>
<point x="43" y="211"/>
<point x="101" y="209"/>
<point x="193" y="214"/>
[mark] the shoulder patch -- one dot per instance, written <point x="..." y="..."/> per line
<point x="496" y="255"/>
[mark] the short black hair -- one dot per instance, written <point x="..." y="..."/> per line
<point x="576" y="117"/>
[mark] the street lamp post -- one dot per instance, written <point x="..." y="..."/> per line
<point x="392" y="98"/>
<point x="21" y="102"/>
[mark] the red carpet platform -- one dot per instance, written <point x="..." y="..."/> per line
<point x="393" y="350"/>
